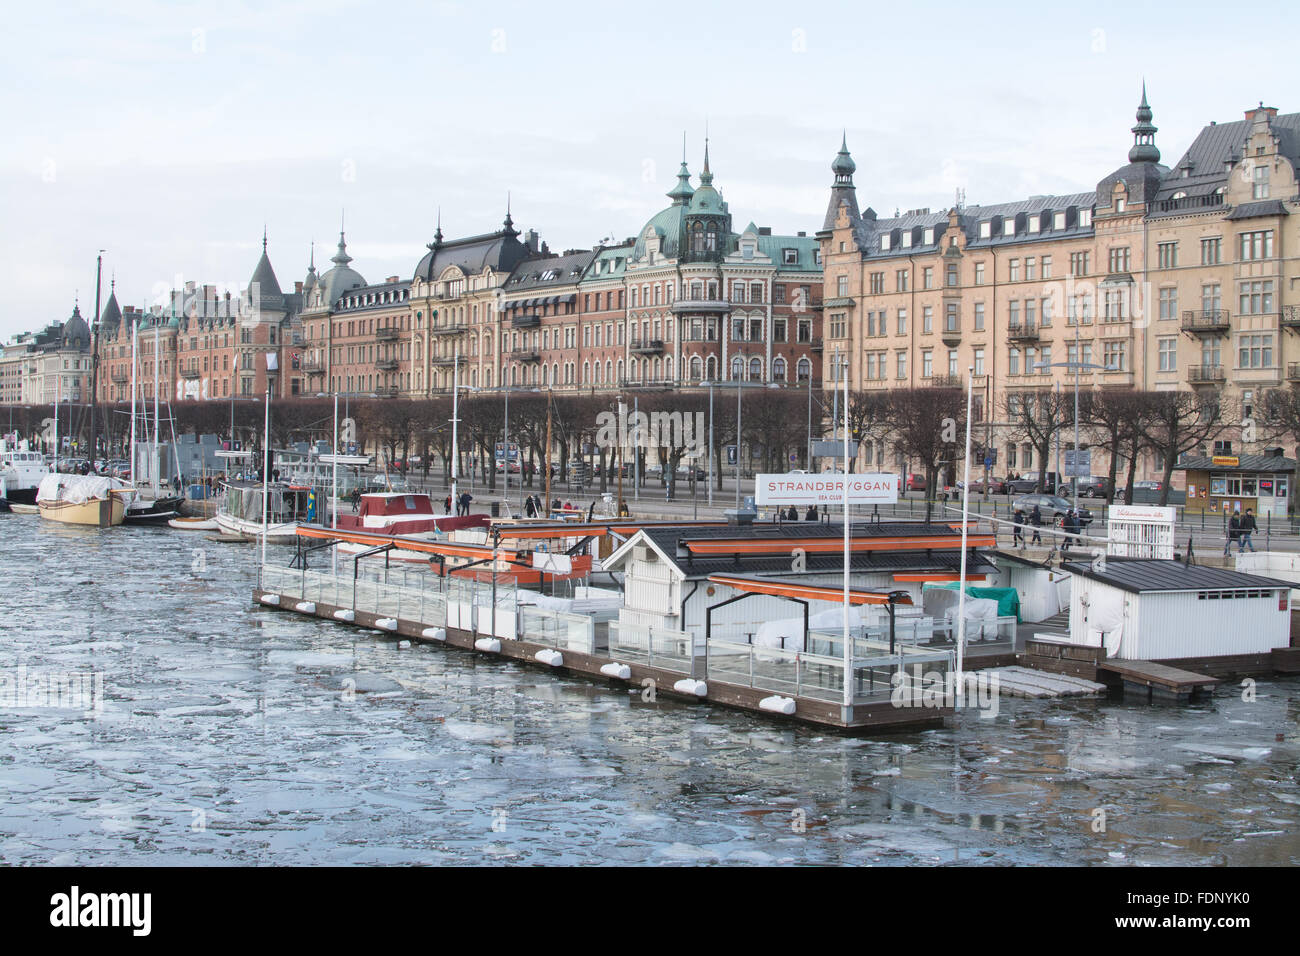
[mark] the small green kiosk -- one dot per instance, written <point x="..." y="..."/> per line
<point x="1229" y="484"/>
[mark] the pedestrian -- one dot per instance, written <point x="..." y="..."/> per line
<point x="1234" y="533"/>
<point x="1036" y="522"/>
<point x="529" y="510"/>
<point x="622" y="508"/>
<point x="812" y="513"/>
<point x="465" y="500"/>
<point x="446" y="505"/>
<point x="1071" y="526"/>
<point x="356" y="499"/>
<point x="1247" y="526"/>
<point x="1017" y="530"/>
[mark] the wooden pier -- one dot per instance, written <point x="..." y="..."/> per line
<point x="1028" y="682"/>
<point x="1155" y="682"/>
<point x="880" y="715"/>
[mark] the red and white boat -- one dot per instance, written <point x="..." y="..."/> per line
<point x="404" y="514"/>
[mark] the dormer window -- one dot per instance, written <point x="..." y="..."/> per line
<point x="1120" y="203"/>
<point x="1085" y="217"/>
<point x="907" y="239"/>
<point x="986" y="229"/>
<point x="1181" y="194"/>
<point x="1008" y="227"/>
<point x="929" y="237"/>
<point x="1033" y="224"/>
<point x="747" y="250"/>
<point x="884" y="243"/>
<point x="790" y="256"/>
<point x="1058" y="220"/>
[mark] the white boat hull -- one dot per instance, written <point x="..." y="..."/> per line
<point x="193" y="524"/>
<point x="284" y="533"/>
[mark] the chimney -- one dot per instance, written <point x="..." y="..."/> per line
<point x="391" y="279"/>
<point x="530" y="239"/>
<point x="545" y="250"/>
<point x="764" y="230"/>
<point x="801" y="234"/>
<point x="297" y="287"/>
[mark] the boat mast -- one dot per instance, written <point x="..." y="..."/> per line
<point x="334" y="492"/>
<point x="455" y="415"/>
<point x="135" y="336"/>
<point x="94" y="361"/>
<point x="266" y="470"/>
<point x="155" y="464"/>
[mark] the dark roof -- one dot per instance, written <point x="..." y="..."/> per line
<point x="1205" y="160"/>
<point x="500" y="251"/>
<point x="1253" y="210"/>
<point x="668" y="540"/>
<point x="532" y="272"/>
<point x="1140" y="576"/>
<point x="1247" y="463"/>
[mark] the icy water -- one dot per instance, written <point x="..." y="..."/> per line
<point x="228" y="734"/>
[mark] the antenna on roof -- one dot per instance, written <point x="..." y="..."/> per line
<point x="961" y="199"/>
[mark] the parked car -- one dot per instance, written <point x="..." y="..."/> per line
<point x="1023" y="486"/>
<point x="1052" y="505"/>
<point x="1156" y="486"/>
<point x="916" y="482"/>
<point x="1094" y="486"/>
<point x="514" y="467"/>
<point x="684" y="473"/>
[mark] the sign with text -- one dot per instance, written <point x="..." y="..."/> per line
<point x="1078" y="464"/>
<point x="833" y="448"/>
<point x="865" y="489"/>
<point x="1226" y="461"/>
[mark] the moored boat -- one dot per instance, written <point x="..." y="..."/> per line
<point x="90" y="500"/>
<point x="193" y="524"/>
<point x="240" y="510"/>
<point x="21" y="472"/>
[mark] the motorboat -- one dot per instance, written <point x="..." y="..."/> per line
<point x="240" y="512"/>
<point x="92" y="500"/>
<point x="21" y="472"/>
<point x="193" y="524"/>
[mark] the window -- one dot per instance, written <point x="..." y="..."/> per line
<point x="951" y="321"/>
<point x="1211" y="300"/>
<point x="1078" y="263"/>
<point x="885" y="242"/>
<point x="1210" y="355"/>
<point x="1260" y="185"/>
<point x="1013" y="314"/>
<point x="1045" y="312"/>
<point x="902" y="321"/>
<point x="927" y="236"/>
<point x="1255" y="351"/>
<point x="1047" y="267"/>
<point x="842" y="286"/>
<point x="1255" y="245"/>
<point x="986" y="229"/>
<point x="1045" y="358"/>
<point x="900" y="280"/>
<point x="1058" y="220"/>
<point x="778" y="330"/>
<point x="1211" y="251"/>
<point x="952" y="362"/>
<point x="927" y="363"/>
<point x="951" y="275"/>
<point x="1085" y="218"/>
<point x="1168" y="354"/>
<point x="1030" y="269"/>
<point x="1168" y="303"/>
<point x="979" y="361"/>
<point x="1013" y="270"/>
<point x="1030" y="306"/>
<point x="1256" y="297"/>
<point x="1013" y="362"/>
<point x="1167" y="255"/>
<point x="927" y="278"/>
<point x="1115" y="356"/>
<point x="979" y="316"/>
<point x="901" y="362"/>
<point x="877" y="283"/>
<point x="1009" y="227"/>
<point x="1033" y="223"/>
<point x="837" y="325"/>
<point x="1119" y="259"/>
<point x="927" y="319"/>
<point x="979" y="273"/>
<point x="790" y="256"/>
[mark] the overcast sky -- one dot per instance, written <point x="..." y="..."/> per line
<point x="169" y="133"/>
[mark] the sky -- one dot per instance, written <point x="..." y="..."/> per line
<point x="169" y="134"/>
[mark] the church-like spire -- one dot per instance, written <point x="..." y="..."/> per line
<point x="1144" y="134"/>
<point x="341" y="257"/>
<point x="706" y="176"/>
<point x="843" y="193"/>
<point x="508" y="225"/>
<point x="843" y="165"/>
<point x="681" y="193"/>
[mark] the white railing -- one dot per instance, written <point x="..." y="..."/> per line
<point x="653" y="646"/>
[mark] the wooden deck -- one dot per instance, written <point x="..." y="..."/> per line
<point x="877" y="716"/>
<point x="1154" y="681"/>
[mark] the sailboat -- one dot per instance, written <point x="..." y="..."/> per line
<point x="150" y="505"/>
<point x="91" y="500"/>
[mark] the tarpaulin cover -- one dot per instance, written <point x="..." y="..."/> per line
<point x="1008" y="598"/>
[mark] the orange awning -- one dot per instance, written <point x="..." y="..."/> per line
<point x="825" y="545"/>
<point x="803" y="592"/>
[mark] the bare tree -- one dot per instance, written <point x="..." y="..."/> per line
<point x="1035" y="416"/>
<point x="1181" y="422"/>
<point x="925" y="424"/>
<point x="1120" y="420"/>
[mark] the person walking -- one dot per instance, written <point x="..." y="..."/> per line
<point x="465" y="500"/>
<point x="1017" y="529"/>
<point x="529" y="510"/>
<point x="1247" y="527"/>
<point x="446" y="505"/>
<point x="1234" y="533"/>
<point x="1036" y="522"/>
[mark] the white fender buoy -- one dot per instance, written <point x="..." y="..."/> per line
<point x="688" y="685"/>
<point x="403" y="645"/>
<point x="272" y="599"/>
<point x="489" y="644"/>
<point x="548" y="656"/>
<point x="619" y="671"/>
<point x="386" y="623"/>
<point x="777" y="704"/>
<point x="307" y="607"/>
<point x="434" y="633"/>
<point x="345" y="615"/>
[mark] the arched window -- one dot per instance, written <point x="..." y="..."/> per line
<point x="586" y="372"/>
<point x="737" y="368"/>
<point x="620" y="370"/>
<point x="697" y="368"/>
<point x="778" y="368"/>
<point x="756" y="369"/>
<point x="711" y="367"/>
<point x="803" y="370"/>
<point x="609" y="372"/>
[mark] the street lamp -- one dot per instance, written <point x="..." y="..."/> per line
<point x="1077" y="366"/>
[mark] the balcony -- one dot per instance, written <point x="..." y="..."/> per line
<point x="662" y="383"/>
<point x="449" y="328"/>
<point x="1206" y="322"/>
<point x="814" y="344"/>
<point x="1290" y="318"/>
<point x="1022" y="332"/>
<point x="1205" y="374"/>
<point x="715" y="306"/>
<point x="529" y="321"/>
<point x="386" y="365"/>
<point x="1293" y="372"/>
<point x="121" y="375"/>
<point x="951" y="337"/>
<point x="313" y="366"/>
<point x="526" y="355"/>
<point x="700" y="337"/>
<point x="388" y="391"/>
<point x="388" y="333"/>
<point x="188" y="372"/>
<point x="647" y="346"/>
<point x="945" y="381"/>
<point x="447" y="360"/>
